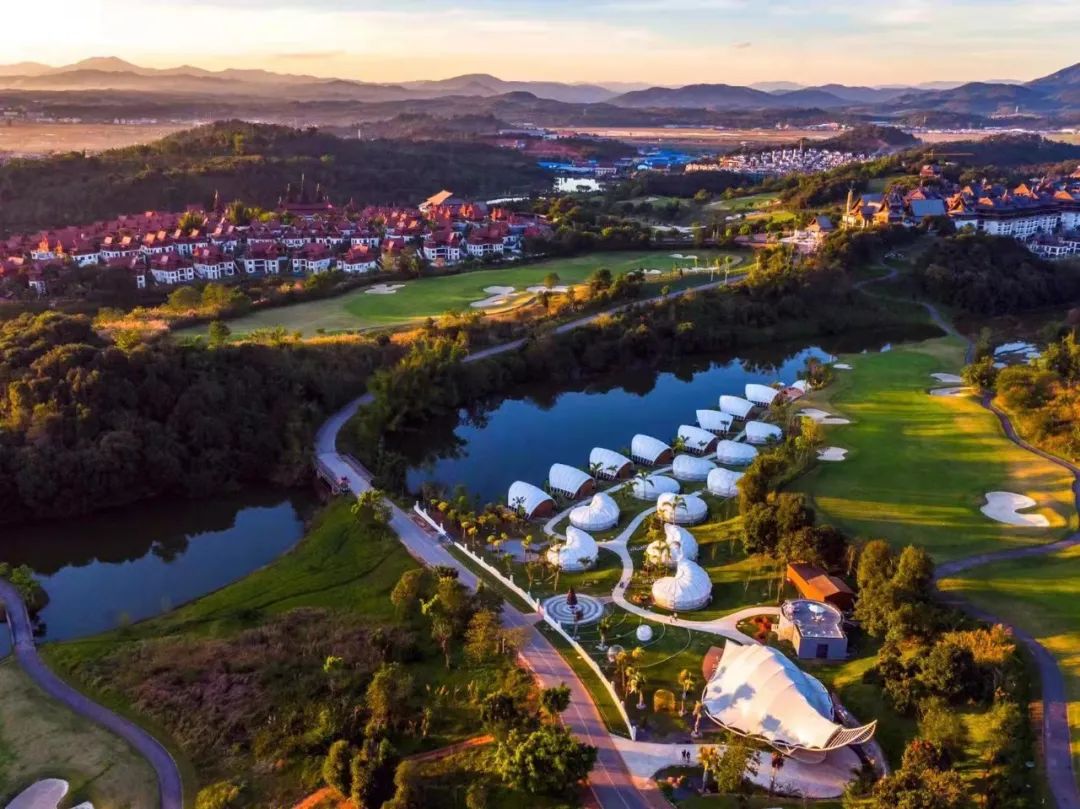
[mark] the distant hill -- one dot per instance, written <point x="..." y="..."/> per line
<point x="870" y="139"/>
<point x="487" y="85"/>
<point x="1009" y="151"/>
<point x="706" y="96"/>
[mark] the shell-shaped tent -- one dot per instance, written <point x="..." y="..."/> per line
<point x="735" y="453"/>
<point x="723" y="482"/>
<point x="691" y="468"/>
<point x="689" y="589"/>
<point x="578" y="546"/>
<point x="758" y="691"/>
<point x="650" y="487"/>
<point x="651" y="451"/>
<point x="612" y="465"/>
<point x="533" y="501"/>
<point x="761" y="394"/>
<point x="715" y="421"/>
<point x="736" y="405"/>
<point x="697" y="440"/>
<point x="688" y="509"/>
<point x="760" y="432"/>
<point x="570" y="481"/>
<point x="677" y="544"/>
<point x="599" y="514"/>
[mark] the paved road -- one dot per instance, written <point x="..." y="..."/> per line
<point x="170" y="788"/>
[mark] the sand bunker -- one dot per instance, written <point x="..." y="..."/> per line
<point x="536" y="290"/>
<point x="498" y="290"/>
<point x="498" y="297"/>
<point x="654" y="272"/>
<point x="821" y="417"/>
<point x="947" y="379"/>
<point x="45" y="794"/>
<point x="842" y="366"/>
<point x="383" y="289"/>
<point x="950" y="391"/>
<point x="832" y="454"/>
<point x="1005" y="506"/>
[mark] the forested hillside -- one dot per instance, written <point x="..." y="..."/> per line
<point x="253" y="162"/>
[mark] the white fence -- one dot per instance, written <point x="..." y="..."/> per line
<point x="533" y="602"/>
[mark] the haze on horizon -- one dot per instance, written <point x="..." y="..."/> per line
<point x="647" y="41"/>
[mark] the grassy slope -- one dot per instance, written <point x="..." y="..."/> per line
<point x="920" y="465"/>
<point x="41" y="739"/>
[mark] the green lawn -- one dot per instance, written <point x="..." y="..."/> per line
<point x="431" y="297"/>
<point x="919" y="465"/>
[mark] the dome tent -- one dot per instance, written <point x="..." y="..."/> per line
<point x="697" y="440"/>
<point x="760" y="432"/>
<point x="723" y="482"/>
<point x="735" y="453"/>
<point x="689" y="510"/>
<point x="715" y="421"/>
<point x="651" y="451"/>
<point x="689" y="468"/>
<point x="610" y="464"/>
<point x="737" y="406"/>
<point x="761" y="394"/>
<point x="599" y="514"/>
<point x="689" y="589"/>
<point x="533" y="501"/>
<point x="568" y="555"/>
<point x="650" y="487"/>
<point x="570" y="481"/>
<point x="677" y="544"/>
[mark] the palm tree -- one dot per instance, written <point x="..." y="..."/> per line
<point x="776" y="763"/>
<point x="687" y="681"/>
<point x="604" y="626"/>
<point x="677" y="502"/>
<point x="679" y="444"/>
<point x="554" y="558"/>
<point x="639" y="686"/>
<point x="629" y="677"/>
<point x="518" y="506"/>
<point x="595" y="468"/>
<point x="709" y="758"/>
<point x="526" y="546"/>
<point x="644" y="477"/>
<point x="697" y="719"/>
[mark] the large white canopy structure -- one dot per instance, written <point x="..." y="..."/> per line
<point x="761" y="394"/>
<point x="801" y="385"/>
<point x="578" y="546"/>
<point x="677" y="544"/>
<point x="735" y="453"/>
<point x="650" y="487"/>
<point x="697" y="440"/>
<point x="688" y="509"/>
<point x="715" y="421"/>
<point x="610" y="463"/>
<point x="648" y="450"/>
<point x="691" y="468"/>
<point x="758" y="691"/>
<point x="570" y="481"/>
<point x="723" y="482"/>
<point x="736" y="405"/>
<point x="599" y="514"/>
<point x="760" y="432"/>
<point x="533" y="501"/>
<point x="689" y="589"/>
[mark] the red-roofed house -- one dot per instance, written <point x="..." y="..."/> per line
<point x="212" y="265"/>
<point x="312" y="259"/>
<point x="443" y="247"/>
<point x="359" y="259"/>
<point x="263" y="259"/>
<point x="170" y="269"/>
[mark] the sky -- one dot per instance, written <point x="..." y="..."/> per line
<point x="649" y="41"/>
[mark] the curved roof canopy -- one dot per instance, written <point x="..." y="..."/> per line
<point x="760" y="432"/>
<point x="599" y="514"/>
<point x="715" y="421"/>
<point x="691" y="468"/>
<point x="569" y="555"/>
<point x="697" y="440"/>
<point x="529" y="497"/>
<point x="761" y="394"/>
<point x="689" y="589"/>
<point x="650" y="487"/>
<point x="735" y="452"/>
<point x="611" y="463"/>
<point x="648" y="449"/>
<point x="568" y="479"/>
<point x="758" y="691"/>
<point x="689" y="509"/>
<point x="801" y="384"/>
<point x="736" y="405"/>
<point x="722" y="482"/>
<point x="677" y="544"/>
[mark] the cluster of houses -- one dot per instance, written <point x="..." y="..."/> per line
<point x="1044" y="215"/>
<point x="170" y="248"/>
<point x="779" y="162"/>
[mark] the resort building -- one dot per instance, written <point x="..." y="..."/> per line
<point x="599" y="514"/>
<point x="723" y="482"/>
<point x="761" y="395"/>
<point x="816" y="584"/>
<point x="760" y="432"/>
<point x="578" y="552"/>
<point x="690" y="588"/>
<point x="532" y="501"/>
<point x="650" y="451"/>
<point x="697" y="440"/>
<point x="738" y="407"/>
<point x="610" y="464"/>
<point x="735" y="453"/>
<point x="690" y="468"/>
<point x="681" y="509"/>
<point x="814" y="628"/>
<point x="570" y="481"/>
<point x="648" y="488"/>
<point x="715" y="421"/>
<point x="678" y="544"/>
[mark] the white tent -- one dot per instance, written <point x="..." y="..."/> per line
<point x="570" y="481"/>
<point x="697" y="440"/>
<point x="611" y="463"/>
<point x="735" y="452"/>
<point x="690" y="468"/>
<point x="736" y="405"/>
<point x="722" y="482"/>
<point x="758" y="691"/>
<point x="650" y="487"/>
<point x="535" y="502"/>
<point x="648" y="450"/>
<point x="578" y="546"/>
<point x="761" y="394"/>
<point x="760" y="432"/>
<point x="689" y="589"/>
<point x="677" y="544"/>
<point x="599" y="514"/>
<point x="715" y="421"/>
<point x="689" y="510"/>
<point x="801" y="384"/>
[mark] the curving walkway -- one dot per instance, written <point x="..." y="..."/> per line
<point x="170" y="787"/>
